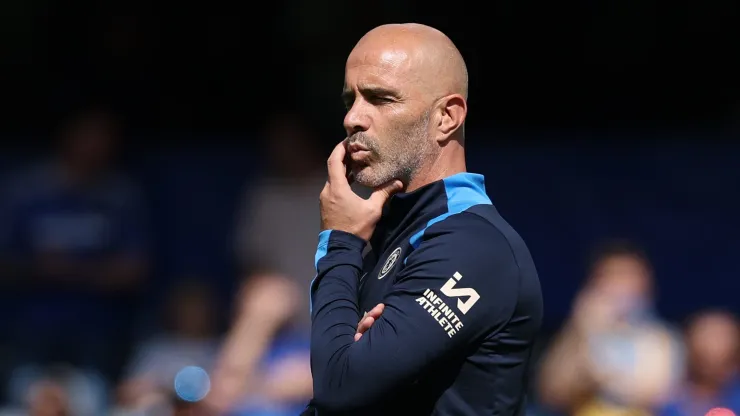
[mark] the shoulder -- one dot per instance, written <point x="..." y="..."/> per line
<point x="479" y="242"/>
<point x="470" y="262"/>
<point x="469" y="245"/>
<point x="469" y="234"/>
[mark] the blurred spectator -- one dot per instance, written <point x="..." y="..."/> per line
<point x="47" y="398"/>
<point x="189" y="338"/>
<point x="73" y="247"/>
<point x="279" y="222"/>
<point x="264" y="367"/>
<point x="58" y="390"/>
<point x="614" y="357"/>
<point x="713" y="340"/>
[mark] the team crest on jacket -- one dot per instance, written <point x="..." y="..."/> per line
<point x="390" y="262"/>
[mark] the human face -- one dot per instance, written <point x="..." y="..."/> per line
<point x="624" y="282"/>
<point x="91" y="142"/>
<point x="713" y="342"/>
<point x="388" y="118"/>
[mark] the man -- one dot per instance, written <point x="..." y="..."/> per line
<point x="713" y="378"/>
<point x="614" y="355"/>
<point x="74" y="257"/>
<point x="457" y="294"/>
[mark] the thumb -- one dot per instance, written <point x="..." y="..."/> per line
<point x="384" y="192"/>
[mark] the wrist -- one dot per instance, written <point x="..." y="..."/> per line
<point x="256" y="326"/>
<point x="341" y="239"/>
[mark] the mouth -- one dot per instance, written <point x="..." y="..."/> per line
<point x="356" y="148"/>
<point x="360" y="156"/>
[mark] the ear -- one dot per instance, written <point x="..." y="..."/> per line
<point x="452" y="109"/>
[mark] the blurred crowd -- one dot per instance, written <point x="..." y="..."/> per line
<point x="616" y="356"/>
<point x="76" y="267"/>
<point x="76" y="261"/>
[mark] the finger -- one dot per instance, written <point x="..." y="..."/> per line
<point x="358" y="335"/>
<point x="348" y="172"/>
<point x="350" y="177"/>
<point x="368" y="319"/>
<point x="362" y="319"/>
<point x="381" y="194"/>
<point x="335" y="165"/>
<point x="376" y="311"/>
<point x="365" y="324"/>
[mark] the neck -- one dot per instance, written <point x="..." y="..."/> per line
<point x="705" y="390"/>
<point x="77" y="175"/>
<point x="708" y="386"/>
<point x="450" y="161"/>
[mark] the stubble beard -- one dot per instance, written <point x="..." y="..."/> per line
<point x="402" y="155"/>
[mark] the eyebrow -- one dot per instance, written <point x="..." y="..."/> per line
<point x="348" y="94"/>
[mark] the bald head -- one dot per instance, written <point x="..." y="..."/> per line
<point x="423" y="54"/>
<point x="405" y="88"/>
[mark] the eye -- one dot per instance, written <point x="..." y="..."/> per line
<point x="377" y="100"/>
<point x="348" y="102"/>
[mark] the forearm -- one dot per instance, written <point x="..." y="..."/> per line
<point x="409" y="339"/>
<point x="398" y="348"/>
<point x="564" y="376"/>
<point x="243" y="349"/>
<point x="341" y="366"/>
<point x="335" y="313"/>
<point x="289" y="390"/>
<point x="291" y="381"/>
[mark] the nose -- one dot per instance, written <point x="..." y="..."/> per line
<point x="356" y="119"/>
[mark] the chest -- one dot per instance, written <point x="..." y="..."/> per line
<point x="72" y="225"/>
<point x="381" y="268"/>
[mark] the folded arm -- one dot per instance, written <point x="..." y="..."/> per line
<point x="455" y="288"/>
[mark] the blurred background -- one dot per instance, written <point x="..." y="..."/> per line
<point x="161" y="166"/>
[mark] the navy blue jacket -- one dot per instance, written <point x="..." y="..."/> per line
<point x="462" y="309"/>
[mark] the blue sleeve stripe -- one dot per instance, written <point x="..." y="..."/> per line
<point x="323" y="246"/>
<point x="463" y="190"/>
<point x="320" y="253"/>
